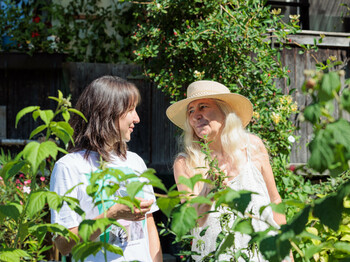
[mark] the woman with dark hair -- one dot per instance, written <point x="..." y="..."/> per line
<point x="109" y="105"/>
<point x="213" y="114"/>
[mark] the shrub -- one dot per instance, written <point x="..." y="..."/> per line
<point x="234" y="42"/>
<point x="85" y="31"/>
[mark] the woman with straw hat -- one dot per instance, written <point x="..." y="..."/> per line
<point x="211" y="112"/>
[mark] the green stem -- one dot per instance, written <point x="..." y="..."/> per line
<point x="297" y="248"/>
<point x="18" y="241"/>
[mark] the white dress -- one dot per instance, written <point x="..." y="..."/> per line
<point x="250" y="178"/>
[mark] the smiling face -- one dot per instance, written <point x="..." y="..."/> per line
<point x="206" y="118"/>
<point x="127" y="123"/>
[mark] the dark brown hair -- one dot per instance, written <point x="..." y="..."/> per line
<point x="103" y="102"/>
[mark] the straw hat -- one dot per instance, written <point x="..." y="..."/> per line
<point x="210" y="89"/>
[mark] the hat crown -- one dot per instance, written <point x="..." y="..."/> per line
<point x="204" y="88"/>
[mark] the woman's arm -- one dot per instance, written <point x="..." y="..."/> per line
<point x="153" y="238"/>
<point x="181" y="169"/>
<point x="262" y="158"/>
<point x="118" y="211"/>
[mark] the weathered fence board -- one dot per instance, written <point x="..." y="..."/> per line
<point x="27" y="81"/>
<point x="297" y="63"/>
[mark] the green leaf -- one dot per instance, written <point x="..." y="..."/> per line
<point x="12" y="210"/>
<point x="200" y="200"/>
<point x="46" y="116"/>
<point x="330" y="84"/>
<point x="12" y="255"/>
<point x="37" y="130"/>
<point x="110" y="189"/>
<point x="278" y="208"/>
<point x="82" y="250"/>
<point x="237" y="200"/>
<point x="273" y="249"/>
<point x="133" y="188"/>
<point x="126" y="201"/>
<point x="63" y="131"/>
<point x="25" y="111"/>
<point x="340" y="130"/>
<point x="345" y="99"/>
<point x="167" y="204"/>
<point x="36" y="202"/>
<point x="313" y="249"/>
<point x="113" y="248"/>
<point x="321" y="151"/>
<point x="228" y="242"/>
<point x="322" y="207"/>
<point x="62" y="150"/>
<point x="66" y="115"/>
<point x="54" y="200"/>
<point x="342" y="246"/>
<point x="294" y="203"/>
<point x="297" y="225"/>
<point x="87" y="227"/>
<point x="36" y="114"/>
<point x="190" y="182"/>
<point x="312" y="113"/>
<point x="78" y="113"/>
<point x="153" y="179"/>
<point x="35" y="153"/>
<point x="245" y="226"/>
<point x="71" y="189"/>
<point x="73" y="204"/>
<point x="54" y="98"/>
<point x="184" y="220"/>
<point x="10" y="169"/>
<point x="329" y="147"/>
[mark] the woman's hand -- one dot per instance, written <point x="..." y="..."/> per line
<point x="120" y="211"/>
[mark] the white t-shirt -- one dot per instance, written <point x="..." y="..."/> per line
<point x="73" y="169"/>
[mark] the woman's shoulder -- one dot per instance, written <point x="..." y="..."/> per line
<point x="181" y="155"/>
<point x="74" y="158"/>
<point x="133" y="155"/>
<point x="136" y="162"/>
<point x="180" y="159"/>
<point x="255" y="140"/>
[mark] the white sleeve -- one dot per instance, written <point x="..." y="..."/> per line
<point x="61" y="181"/>
<point x="147" y="189"/>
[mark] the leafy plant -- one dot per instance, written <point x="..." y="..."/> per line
<point x="319" y="232"/>
<point x="26" y="26"/>
<point x="92" y="31"/>
<point x="85" y="31"/>
<point x="24" y="179"/>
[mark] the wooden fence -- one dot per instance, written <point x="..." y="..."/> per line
<point x="334" y="44"/>
<point x="28" y="81"/>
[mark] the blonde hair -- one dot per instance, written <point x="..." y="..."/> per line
<point x="233" y="139"/>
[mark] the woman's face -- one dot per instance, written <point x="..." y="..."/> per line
<point x="206" y="118"/>
<point x="127" y="123"/>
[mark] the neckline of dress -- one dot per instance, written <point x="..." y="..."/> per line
<point x="248" y="163"/>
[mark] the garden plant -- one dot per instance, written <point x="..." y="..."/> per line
<point x="84" y="31"/>
<point x="24" y="178"/>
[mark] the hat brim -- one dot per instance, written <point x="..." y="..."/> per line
<point x="242" y="107"/>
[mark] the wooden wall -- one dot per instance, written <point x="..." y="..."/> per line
<point x="297" y="63"/>
<point x="27" y="81"/>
